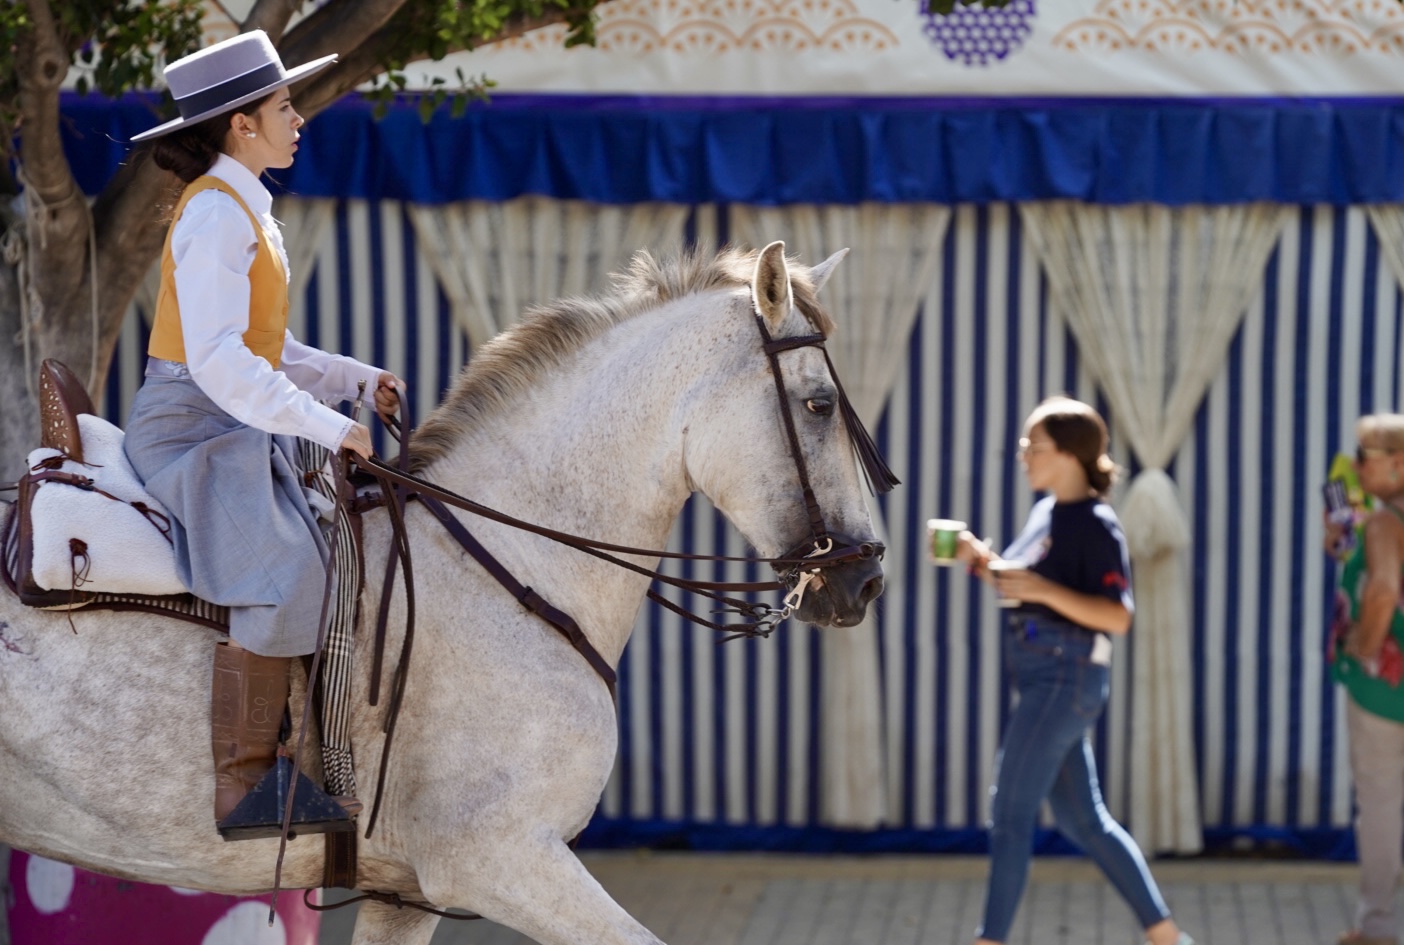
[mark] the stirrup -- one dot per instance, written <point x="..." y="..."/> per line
<point x="260" y="813"/>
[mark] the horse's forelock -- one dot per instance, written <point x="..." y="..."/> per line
<point x="508" y="366"/>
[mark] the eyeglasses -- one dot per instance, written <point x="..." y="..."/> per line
<point x="1027" y="446"/>
<point x="1362" y="453"/>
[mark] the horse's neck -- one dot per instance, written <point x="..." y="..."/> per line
<point x="595" y="451"/>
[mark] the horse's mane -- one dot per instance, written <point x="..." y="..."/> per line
<point x="509" y="365"/>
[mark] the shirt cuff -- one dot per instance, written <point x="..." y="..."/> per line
<point x="327" y="427"/>
<point x="372" y="376"/>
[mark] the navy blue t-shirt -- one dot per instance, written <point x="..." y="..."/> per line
<point x="1078" y="545"/>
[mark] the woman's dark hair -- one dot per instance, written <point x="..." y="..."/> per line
<point x="1077" y="429"/>
<point x="189" y="152"/>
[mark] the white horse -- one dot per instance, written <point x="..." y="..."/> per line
<point x="593" y="417"/>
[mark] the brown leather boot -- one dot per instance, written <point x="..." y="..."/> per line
<point x="248" y="696"/>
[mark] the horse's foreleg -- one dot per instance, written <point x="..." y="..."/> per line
<point x="542" y="890"/>
<point x="378" y="924"/>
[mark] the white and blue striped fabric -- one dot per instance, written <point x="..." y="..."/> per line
<point x="720" y="745"/>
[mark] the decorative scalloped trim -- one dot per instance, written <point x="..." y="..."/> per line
<point x="1260" y="27"/>
<point x="713" y="27"/>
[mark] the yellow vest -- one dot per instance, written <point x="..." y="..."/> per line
<point x="268" y="290"/>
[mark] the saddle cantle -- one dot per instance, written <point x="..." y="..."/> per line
<point x="62" y="398"/>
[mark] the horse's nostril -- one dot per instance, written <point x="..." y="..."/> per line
<point x="871" y="590"/>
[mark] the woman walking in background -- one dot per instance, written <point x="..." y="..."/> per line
<point x="1068" y="572"/>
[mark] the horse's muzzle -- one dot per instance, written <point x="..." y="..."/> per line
<point x="840" y="595"/>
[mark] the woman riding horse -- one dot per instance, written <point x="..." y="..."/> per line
<point x="228" y="387"/>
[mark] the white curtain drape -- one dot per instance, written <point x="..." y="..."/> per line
<point x="1154" y="296"/>
<point x="305" y="222"/>
<point x="495" y="259"/>
<point x="874" y="294"/>
<point x="1388" y="222"/>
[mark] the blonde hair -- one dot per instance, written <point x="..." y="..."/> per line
<point x="1384" y="430"/>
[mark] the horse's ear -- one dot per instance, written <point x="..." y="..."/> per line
<point x="820" y="273"/>
<point x="770" y="286"/>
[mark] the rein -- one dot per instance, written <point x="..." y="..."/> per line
<point x="797" y="568"/>
<point x="824" y="555"/>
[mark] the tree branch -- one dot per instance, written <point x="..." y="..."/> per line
<point x="42" y="66"/>
<point x="271" y="16"/>
<point x="336" y="28"/>
<point x="366" y="61"/>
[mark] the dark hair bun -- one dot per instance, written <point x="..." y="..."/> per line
<point x="187" y="154"/>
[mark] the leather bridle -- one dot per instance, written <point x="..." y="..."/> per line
<point x="880" y="477"/>
<point x="797" y="568"/>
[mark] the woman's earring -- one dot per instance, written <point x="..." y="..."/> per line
<point x="250" y="134"/>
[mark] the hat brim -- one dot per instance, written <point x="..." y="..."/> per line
<point x="291" y="76"/>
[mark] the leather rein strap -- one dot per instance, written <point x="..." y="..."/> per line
<point x="798" y="567"/>
<point x="423" y="490"/>
<point x="524" y="595"/>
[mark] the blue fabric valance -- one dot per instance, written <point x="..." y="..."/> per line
<point x="616" y="149"/>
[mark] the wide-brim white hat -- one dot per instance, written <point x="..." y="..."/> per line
<point x="222" y="77"/>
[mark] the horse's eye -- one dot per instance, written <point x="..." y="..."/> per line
<point x="822" y="406"/>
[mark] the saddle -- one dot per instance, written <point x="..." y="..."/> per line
<point x="82" y="523"/>
<point x="83" y="530"/>
<point x="84" y="534"/>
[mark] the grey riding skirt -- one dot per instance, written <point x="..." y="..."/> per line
<point x="247" y="534"/>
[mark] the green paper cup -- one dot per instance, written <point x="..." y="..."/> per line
<point x="943" y="533"/>
<point x="1005" y="565"/>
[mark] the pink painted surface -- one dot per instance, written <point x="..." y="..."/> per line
<point x="56" y="904"/>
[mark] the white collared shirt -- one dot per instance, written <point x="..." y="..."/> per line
<point x="213" y="245"/>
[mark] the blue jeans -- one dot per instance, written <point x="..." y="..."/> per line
<point x="1046" y="753"/>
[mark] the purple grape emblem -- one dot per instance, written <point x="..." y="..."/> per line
<point x="976" y="35"/>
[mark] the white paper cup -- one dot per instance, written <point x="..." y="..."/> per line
<point x="1001" y="565"/>
<point x="943" y="537"/>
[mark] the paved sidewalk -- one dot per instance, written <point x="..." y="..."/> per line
<point x="765" y="899"/>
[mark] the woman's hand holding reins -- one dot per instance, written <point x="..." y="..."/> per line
<point x="387" y="395"/>
<point x="358" y="441"/>
<point x="387" y="404"/>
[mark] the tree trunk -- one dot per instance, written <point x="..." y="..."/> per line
<point x="63" y="329"/>
<point x="19" y="417"/>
